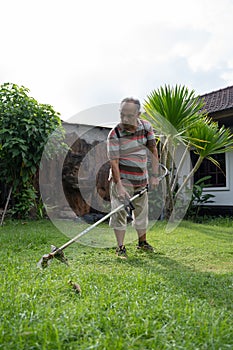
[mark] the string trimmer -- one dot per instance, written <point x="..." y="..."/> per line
<point x="127" y="205"/>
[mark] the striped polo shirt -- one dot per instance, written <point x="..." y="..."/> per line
<point x="130" y="149"/>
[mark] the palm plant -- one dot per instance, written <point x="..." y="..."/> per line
<point x="208" y="139"/>
<point x="181" y="124"/>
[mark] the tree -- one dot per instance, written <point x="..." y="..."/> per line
<point x="25" y="126"/>
<point x="181" y="124"/>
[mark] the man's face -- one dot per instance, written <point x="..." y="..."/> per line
<point x="129" y="113"/>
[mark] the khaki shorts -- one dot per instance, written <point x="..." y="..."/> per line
<point x="118" y="220"/>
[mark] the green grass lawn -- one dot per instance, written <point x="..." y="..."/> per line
<point x="180" y="297"/>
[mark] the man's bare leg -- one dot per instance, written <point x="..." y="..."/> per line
<point x="141" y="235"/>
<point x="120" y="235"/>
<point x="142" y="243"/>
<point x="120" y="251"/>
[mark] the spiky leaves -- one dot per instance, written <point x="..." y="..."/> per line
<point x="180" y="123"/>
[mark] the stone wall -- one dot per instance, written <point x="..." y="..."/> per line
<point x="78" y="182"/>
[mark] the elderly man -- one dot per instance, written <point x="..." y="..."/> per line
<point x="127" y="151"/>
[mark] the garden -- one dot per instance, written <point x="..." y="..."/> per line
<point x="177" y="297"/>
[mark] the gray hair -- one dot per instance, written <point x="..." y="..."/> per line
<point x="132" y="100"/>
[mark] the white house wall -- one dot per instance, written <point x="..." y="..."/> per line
<point x="223" y="196"/>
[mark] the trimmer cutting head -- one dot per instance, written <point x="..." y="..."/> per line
<point x="59" y="254"/>
<point x="55" y="253"/>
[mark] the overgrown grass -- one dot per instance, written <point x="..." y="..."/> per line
<point x="180" y="297"/>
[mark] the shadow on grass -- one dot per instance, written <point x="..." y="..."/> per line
<point x="214" y="231"/>
<point x="216" y="289"/>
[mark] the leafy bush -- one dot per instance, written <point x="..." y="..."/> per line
<point x="198" y="198"/>
<point x="25" y="126"/>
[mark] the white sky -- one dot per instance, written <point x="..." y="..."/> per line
<point x="78" y="54"/>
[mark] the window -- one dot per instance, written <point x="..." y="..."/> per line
<point x="218" y="174"/>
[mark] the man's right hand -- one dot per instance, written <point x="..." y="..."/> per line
<point x="121" y="191"/>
